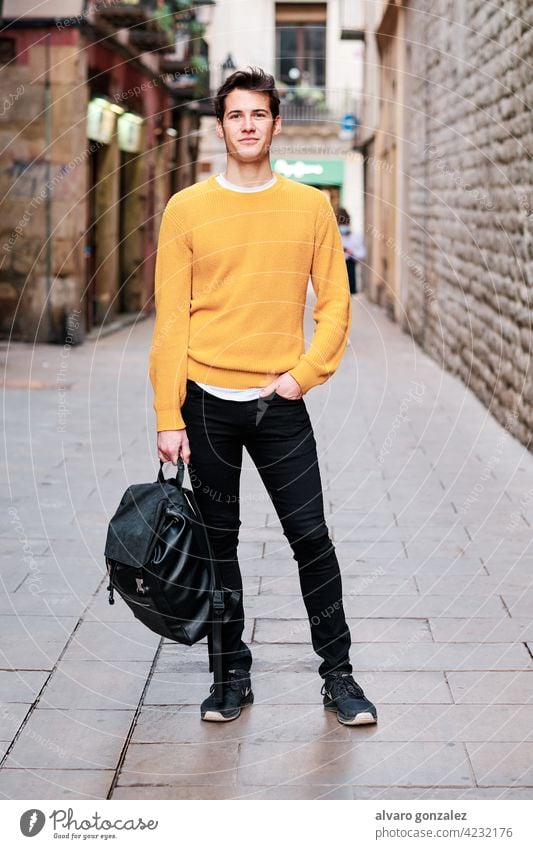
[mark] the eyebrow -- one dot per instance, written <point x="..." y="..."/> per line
<point x="238" y="111"/>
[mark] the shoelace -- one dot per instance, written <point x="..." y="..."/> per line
<point x="344" y="685"/>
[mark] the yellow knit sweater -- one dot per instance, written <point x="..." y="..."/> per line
<point x="231" y="279"/>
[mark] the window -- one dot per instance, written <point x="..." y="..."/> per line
<point x="301" y="43"/>
<point x="7" y="50"/>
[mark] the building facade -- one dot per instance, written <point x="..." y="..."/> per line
<point x="96" y="133"/>
<point x="446" y="138"/>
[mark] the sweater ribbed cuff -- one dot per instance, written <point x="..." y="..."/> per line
<point x="169" y="420"/>
<point x="305" y="375"/>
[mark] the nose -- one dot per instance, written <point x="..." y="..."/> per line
<point x="248" y="123"/>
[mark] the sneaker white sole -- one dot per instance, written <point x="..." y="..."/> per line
<point x="216" y="716"/>
<point x="363" y="718"/>
<point x="213" y="716"/>
<point x="359" y="719"/>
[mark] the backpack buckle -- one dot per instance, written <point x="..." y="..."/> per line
<point x="218" y="600"/>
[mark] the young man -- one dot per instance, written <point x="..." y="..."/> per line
<point x="229" y="370"/>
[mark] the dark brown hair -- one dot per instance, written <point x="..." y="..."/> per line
<point x="253" y="79"/>
<point x="342" y="216"/>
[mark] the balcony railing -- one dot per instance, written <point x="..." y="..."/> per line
<point x="318" y="105"/>
<point x="150" y="27"/>
<point x="333" y="107"/>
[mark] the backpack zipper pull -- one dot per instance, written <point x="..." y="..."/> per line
<point x="110" y="586"/>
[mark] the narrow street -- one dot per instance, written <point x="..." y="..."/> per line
<point x="430" y="505"/>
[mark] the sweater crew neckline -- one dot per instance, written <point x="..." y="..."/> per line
<point x="228" y="192"/>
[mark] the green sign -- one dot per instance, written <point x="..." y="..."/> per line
<point x="314" y="172"/>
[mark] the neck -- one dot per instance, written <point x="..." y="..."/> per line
<point x="248" y="174"/>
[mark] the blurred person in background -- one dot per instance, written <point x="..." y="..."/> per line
<point x="354" y="247"/>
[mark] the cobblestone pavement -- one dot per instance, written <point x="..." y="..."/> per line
<point x="430" y="505"/>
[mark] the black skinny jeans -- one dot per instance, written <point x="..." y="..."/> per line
<point x="278" y="435"/>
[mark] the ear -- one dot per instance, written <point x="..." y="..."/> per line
<point x="218" y="129"/>
<point x="277" y="125"/>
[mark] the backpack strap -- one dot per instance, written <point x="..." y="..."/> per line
<point x="199" y="531"/>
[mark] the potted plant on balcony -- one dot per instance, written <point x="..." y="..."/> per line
<point x="302" y="96"/>
<point x="307" y="95"/>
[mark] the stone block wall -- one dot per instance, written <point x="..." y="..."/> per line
<point x="38" y="293"/>
<point x="469" y="128"/>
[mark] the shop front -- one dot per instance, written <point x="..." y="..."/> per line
<point x="325" y="174"/>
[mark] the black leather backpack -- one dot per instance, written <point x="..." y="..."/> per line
<point x="159" y="560"/>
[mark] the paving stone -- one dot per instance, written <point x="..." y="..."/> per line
<point x="173" y="791"/>
<point x="425" y="606"/>
<point x="51" y="527"/>
<point x="292" y="792"/>
<point x="372" y="523"/>
<point x="407" y="567"/>
<point x="413" y="520"/>
<point x="111" y="685"/>
<point x="12" y="714"/>
<point x="403" y="764"/>
<point x="77" y="739"/>
<point x="486" y="688"/>
<point x="174" y="764"/>
<point x="430" y="549"/>
<point x="13" y="574"/>
<point x="174" y="688"/>
<point x="112" y="641"/>
<point x="250" y="534"/>
<point x="445" y="794"/>
<point x="55" y="783"/>
<point x="425" y="535"/>
<point x="498" y="764"/>
<point x="87" y="545"/>
<point x="519" y="604"/>
<point x="33" y="642"/>
<point x="370" y="550"/>
<point x="477" y="585"/>
<point x="53" y="583"/>
<point x="262" y="722"/>
<point x="450" y="723"/>
<point x="362" y="630"/>
<point x="425" y="656"/>
<point x="11" y="546"/>
<point x="446" y="630"/>
<point x="20" y="685"/>
<point x="19" y="605"/>
<point x="508" y="567"/>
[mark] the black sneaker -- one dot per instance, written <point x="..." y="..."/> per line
<point x="237" y="694"/>
<point x="344" y="696"/>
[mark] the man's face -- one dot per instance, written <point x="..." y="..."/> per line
<point x="248" y="127"/>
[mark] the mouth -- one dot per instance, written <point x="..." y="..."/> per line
<point x="248" y="141"/>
